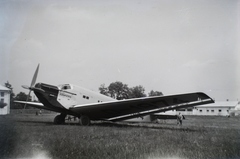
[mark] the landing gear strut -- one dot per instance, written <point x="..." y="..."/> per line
<point x="60" y="119"/>
<point x="84" y="120"/>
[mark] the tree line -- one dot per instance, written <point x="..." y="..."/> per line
<point x="20" y="96"/>
<point x="116" y="90"/>
<point x="119" y="91"/>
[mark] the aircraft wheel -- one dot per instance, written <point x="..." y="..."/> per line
<point x="84" y="120"/>
<point x="59" y="119"/>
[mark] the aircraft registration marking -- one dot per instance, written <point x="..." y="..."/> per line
<point x="65" y="95"/>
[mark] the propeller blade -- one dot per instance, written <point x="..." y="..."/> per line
<point x="25" y="87"/>
<point x="32" y="85"/>
<point x="27" y="99"/>
<point x="35" y="76"/>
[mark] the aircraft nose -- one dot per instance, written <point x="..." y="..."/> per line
<point x="50" y="89"/>
<point x="38" y="85"/>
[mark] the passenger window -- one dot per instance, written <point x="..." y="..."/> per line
<point x="85" y="97"/>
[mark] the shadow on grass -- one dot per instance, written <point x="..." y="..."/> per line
<point x="8" y="138"/>
<point x="145" y="125"/>
<point x="35" y="122"/>
<point x="117" y="125"/>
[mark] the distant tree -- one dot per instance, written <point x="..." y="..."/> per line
<point x="118" y="90"/>
<point x="103" y="90"/>
<point x="21" y="97"/>
<point x="155" y="93"/>
<point x="12" y="95"/>
<point x="8" y="85"/>
<point x="137" y="92"/>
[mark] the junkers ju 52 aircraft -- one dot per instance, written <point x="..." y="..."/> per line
<point x="87" y="105"/>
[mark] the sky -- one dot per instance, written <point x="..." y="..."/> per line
<point x="176" y="46"/>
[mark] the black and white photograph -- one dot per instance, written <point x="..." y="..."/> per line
<point x="118" y="79"/>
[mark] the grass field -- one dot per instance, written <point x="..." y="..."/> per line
<point x="30" y="136"/>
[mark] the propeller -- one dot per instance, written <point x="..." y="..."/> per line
<point x="32" y="85"/>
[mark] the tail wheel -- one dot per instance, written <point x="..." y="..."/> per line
<point x="84" y="120"/>
<point x="59" y="119"/>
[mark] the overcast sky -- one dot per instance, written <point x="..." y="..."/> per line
<point x="176" y="46"/>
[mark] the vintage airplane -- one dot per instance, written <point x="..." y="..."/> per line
<point x="87" y="105"/>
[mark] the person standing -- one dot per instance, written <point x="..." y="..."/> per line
<point x="179" y="119"/>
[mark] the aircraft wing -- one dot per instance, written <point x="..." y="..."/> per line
<point x="131" y="108"/>
<point x="35" y="105"/>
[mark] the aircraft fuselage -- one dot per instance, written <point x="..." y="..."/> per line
<point x="65" y="96"/>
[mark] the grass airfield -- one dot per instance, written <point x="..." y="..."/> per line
<point x="200" y="137"/>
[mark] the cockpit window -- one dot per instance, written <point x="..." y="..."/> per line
<point x="66" y="86"/>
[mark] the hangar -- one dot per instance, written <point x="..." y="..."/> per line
<point x="4" y="100"/>
<point x="219" y="108"/>
<point x="225" y="108"/>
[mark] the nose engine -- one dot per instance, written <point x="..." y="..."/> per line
<point x="49" y="89"/>
<point x="48" y="95"/>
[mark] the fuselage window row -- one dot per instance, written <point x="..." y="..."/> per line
<point x="86" y="97"/>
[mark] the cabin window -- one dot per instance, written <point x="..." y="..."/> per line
<point x="207" y="110"/>
<point x="2" y="100"/>
<point x="84" y="96"/>
<point x="219" y="110"/>
<point x="212" y="110"/>
<point x="67" y="86"/>
<point x="2" y="94"/>
<point x="200" y="110"/>
<point x="87" y="97"/>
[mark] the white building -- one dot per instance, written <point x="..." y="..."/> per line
<point x="219" y="108"/>
<point x="4" y="100"/>
<point x="224" y="108"/>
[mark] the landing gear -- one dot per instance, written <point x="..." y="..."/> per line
<point x="84" y="120"/>
<point x="59" y="119"/>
